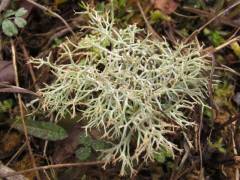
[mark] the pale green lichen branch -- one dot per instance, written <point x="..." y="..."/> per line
<point x="133" y="89"/>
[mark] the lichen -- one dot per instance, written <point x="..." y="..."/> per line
<point x="134" y="89"/>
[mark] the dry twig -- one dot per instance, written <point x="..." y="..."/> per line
<point x="149" y="27"/>
<point x="55" y="166"/>
<point x="210" y="21"/>
<point x="51" y="12"/>
<point x="29" y="65"/>
<point x="21" y="109"/>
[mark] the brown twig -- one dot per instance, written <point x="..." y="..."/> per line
<point x="226" y="43"/>
<point x="210" y="84"/>
<point x="211" y="20"/>
<point x="149" y="27"/>
<point x="210" y="50"/>
<point x="55" y="166"/>
<point x="19" y="151"/>
<point x="203" y="13"/>
<point x="134" y="177"/>
<point x="234" y="151"/>
<point x="235" y="33"/>
<point x="51" y="12"/>
<point x="187" y="170"/>
<point x="199" y="143"/>
<point x="21" y="109"/>
<point x="58" y="34"/>
<point x="29" y="65"/>
<point x="1" y="47"/>
<point x="228" y="69"/>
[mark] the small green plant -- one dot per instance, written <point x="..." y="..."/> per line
<point x="133" y="89"/>
<point x="6" y="105"/>
<point x="215" y="36"/>
<point x="218" y="145"/>
<point x="162" y="156"/>
<point x="40" y="129"/>
<point x="88" y="146"/>
<point x="157" y="16"/>
<point x="12" y="20"/>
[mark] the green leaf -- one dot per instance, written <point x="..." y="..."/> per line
<point x="21" y="12"/>
<point x="9" y="13"/>
<point x="218" y="145"/>
<point x="6" y="105"/>
<point x="85" y="140"/>
<point x="214" y="36"/>
<point x="162" y="155"/>
<point x="168" y="154"/>
<point x="20" y="22"/>
<point x="9" y="28"/>
<point x="158" y="16"/>
<point x="83" y="153"/>
<point x="57" y="42"/>
<point x="100" y="145"/>
<point x="44" y="130"/>
<point x="100" y="6"/>
<point x="122" y="3"/>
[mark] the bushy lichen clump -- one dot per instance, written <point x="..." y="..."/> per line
<point x="134" y="89"/>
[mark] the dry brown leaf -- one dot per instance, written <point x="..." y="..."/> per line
<point x="67" y="147"/>
<point x="4" y="4"/>
<point x="4" y="170"/>
<point x="15" y="89"/>
<point x="222" y="117"/>
<point x="26" y="163"/>
<point x="11" y="141"/>
<point x="28" y="6"/>
<point x="167" y="6"/>
<point x="7" y="72"/>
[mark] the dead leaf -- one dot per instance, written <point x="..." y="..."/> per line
<point x="9" y="143"/>
<point x="4" y="171"/>
<point x="7" y="72"/>
<point x="15" y="89"/>
<point x="167" y="6"/>
<point x="67" y="147"/>
<point x="222" y="117"/>
<point x="28" y="6"/>
<point x="6" y="88"/>
<point x="7" y="77"/>
<point x="26" y="163"/>
<point x="4" y="4"/>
